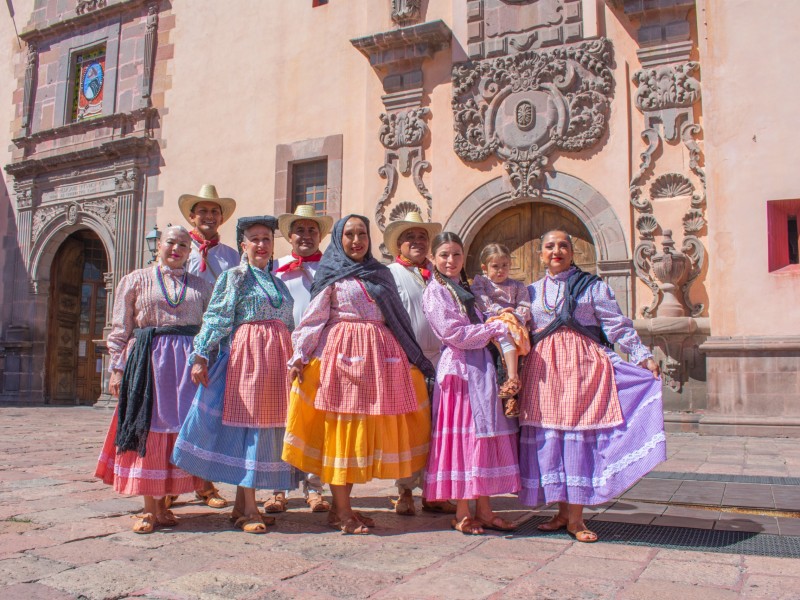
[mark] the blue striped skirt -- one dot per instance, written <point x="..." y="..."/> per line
<point x="245" y="456"/>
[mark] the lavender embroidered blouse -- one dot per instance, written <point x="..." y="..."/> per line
<point x="597" y="306"/>
<point x="139" y="302"/>
<point x="491" y="298"/>
<point x="240" y="296"/>
<point x="345" y="300"/>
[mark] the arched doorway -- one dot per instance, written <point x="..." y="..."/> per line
<point x="76" y="317"/>
<point x="520" y="227"/>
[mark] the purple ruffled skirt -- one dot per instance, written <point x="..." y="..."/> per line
<point x="594" y="466"/>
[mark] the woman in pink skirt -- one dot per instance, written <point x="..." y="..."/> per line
<point x="473" y="452"/>
<point x="157" y="312"/>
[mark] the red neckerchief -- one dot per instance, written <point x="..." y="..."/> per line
<point x="298" y="261"/>
<point x="426" y="274"/>
<point x="205" y="246"/>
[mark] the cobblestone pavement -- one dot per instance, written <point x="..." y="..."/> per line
<point x="65" y="535"/>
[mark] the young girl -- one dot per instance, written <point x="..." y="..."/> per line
<point x="501" y="298"/>
<point x="473" y="453"/>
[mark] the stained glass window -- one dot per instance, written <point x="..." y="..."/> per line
<point x="310" y="184"/>
<point x="90" y="72"/>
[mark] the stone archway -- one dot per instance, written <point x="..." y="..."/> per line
<point x="568" y="192"/>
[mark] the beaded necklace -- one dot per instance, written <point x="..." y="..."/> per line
<point x="545" y="305"/>
<point x="180" y="294"/>
<point x="277" y="300"/>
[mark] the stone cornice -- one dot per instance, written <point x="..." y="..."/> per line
<point x="58" y="27"/>
<point x="638" y="8"/>
<point x="754" y="343"/>
<point x="113" y="149"/>
<point x="411" y="44"/>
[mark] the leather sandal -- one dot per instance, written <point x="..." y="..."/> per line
<point x="236" y="514"/>
<point x="211" y="498"/>
<point x="443" y="507"/>
<point x="510" y="388"/>
<point x="167" y="519"/>
<point x="317" y="503"/>
<point x="496" y="523"/>
<point x="335" y="522"/>
<point x="276" y="503"/>
<point x="353" y="526"/>
<point x="466" y="526"/>
<point x="145" y="523"/>
<point x="553" y="524"/>
<point x="404" y="505"/>
<point x="251" y="524"/>
<point x="169" y="500"/>
<point x="583" y="535"/>
<point x="511" y="407"/>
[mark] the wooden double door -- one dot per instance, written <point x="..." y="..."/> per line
<point x="77" y="316"/>
<point x="520" y="228"/>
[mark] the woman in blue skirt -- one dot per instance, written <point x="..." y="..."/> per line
<point x="234" y="430"/>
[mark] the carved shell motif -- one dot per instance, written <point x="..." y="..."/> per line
<point x="671" y="185"/>
<point x="646" y="224"/>
<point x="693" y="221"/>
<point x="400" y="211"/>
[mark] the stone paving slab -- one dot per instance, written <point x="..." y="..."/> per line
<point x="65" y="535"/>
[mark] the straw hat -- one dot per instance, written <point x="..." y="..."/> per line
<point x="304" y="212"/>
<point x="412" y="220"/>
<point x="207" y="193"/>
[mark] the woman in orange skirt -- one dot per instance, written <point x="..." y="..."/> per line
<point x="358" y="409"/>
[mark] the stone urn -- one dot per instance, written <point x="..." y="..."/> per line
<point x="670" y="266"/>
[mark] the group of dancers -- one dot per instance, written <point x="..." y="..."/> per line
<point x="332" y="368"/>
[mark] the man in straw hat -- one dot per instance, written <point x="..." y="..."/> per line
<point x="304" y="230"/>
<point x="409" y="240"/>
<point x="206" y="211"/>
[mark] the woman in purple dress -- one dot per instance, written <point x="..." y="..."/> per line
<point x="591" y="425"/>
<point x="473" y="452"/>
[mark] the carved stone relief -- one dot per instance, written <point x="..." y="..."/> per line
<point x="402" y="135"/>
<point x="105" y="210"/>
<point x="405" y="12"/>
<point x="525" y="107"/>
<point x="502" y="27"/>
<point x="85" y="6"/>
<point x="666" y="96"/>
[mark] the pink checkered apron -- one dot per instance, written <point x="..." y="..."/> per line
<point x="257" y="384"/>
<point x="568" y="384"/>
<point x="363" y="370"/>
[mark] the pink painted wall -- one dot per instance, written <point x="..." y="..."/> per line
<point x="749" y="96"/>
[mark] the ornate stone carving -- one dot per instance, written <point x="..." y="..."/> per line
<point x="693" y="221"/>
<point x="72" y="213"/>
<point x="646" y="225"/>
<point x="400" y="211"/>
<point x="85" y="6"/>
<point x="402" y="134"/>
<point x="105" y="209"/>
<point x="405" y="12"/>
<point x="24" y="198"/>
<point x="126" y="180"/>
<point x="666" y="94"/>
<point x="149" y="47"/>
<point x="43" y="216"/>
<point x="671" y="185"/>
<point x="30" y="76"/>
<point x="524" y="108"/>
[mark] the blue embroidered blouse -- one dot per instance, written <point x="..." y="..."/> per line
<point x="243" y="294"/>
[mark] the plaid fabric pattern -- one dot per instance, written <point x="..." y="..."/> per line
<point x="364" y="371"/>
<point x="257" y="385"/>
<point x="568" y="383"/>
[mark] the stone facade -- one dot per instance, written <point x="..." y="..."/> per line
<point x="631" y="118"/>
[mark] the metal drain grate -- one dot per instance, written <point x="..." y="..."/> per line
<point x="724" y="478"/>
<point x="678" y="538"/>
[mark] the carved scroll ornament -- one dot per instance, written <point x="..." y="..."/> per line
<point x="405" y="12"/>
<point x="85" y="6"/>
<point x="525" y="107"/>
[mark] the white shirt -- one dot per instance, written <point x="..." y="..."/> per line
<point x="220" y="258"/>
<point x="299" y="283"/>
<point x="411" y="286"/>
